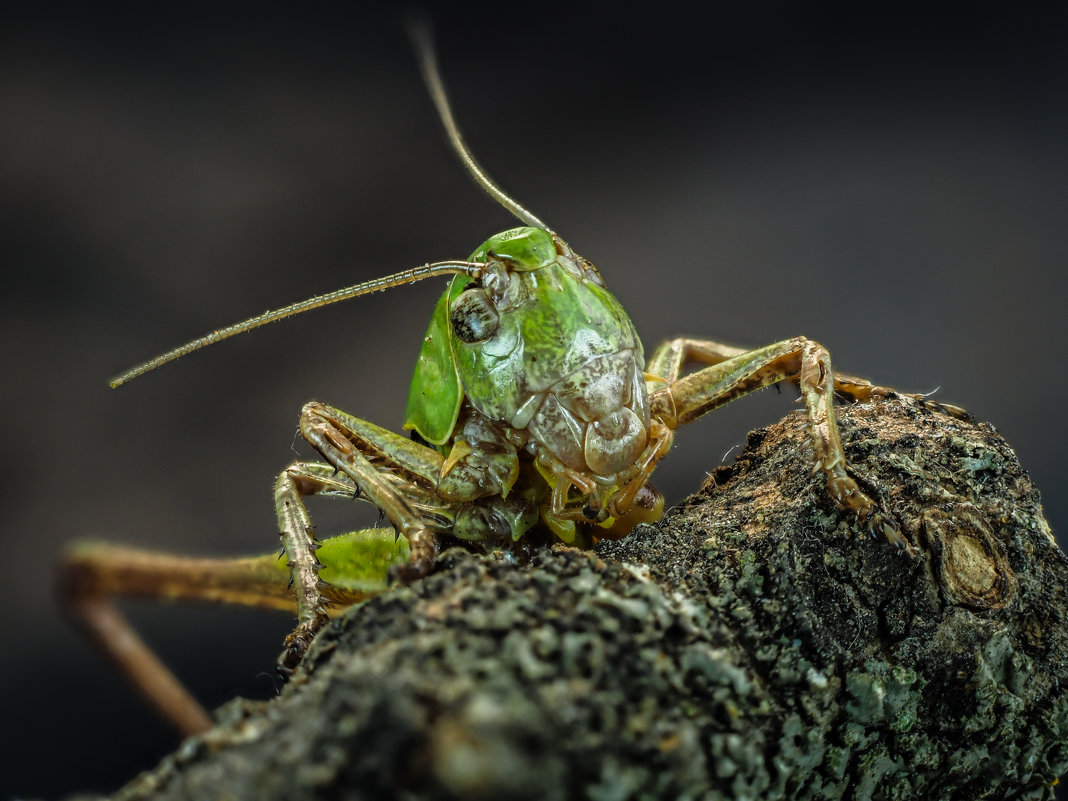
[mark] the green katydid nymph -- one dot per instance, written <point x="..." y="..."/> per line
<point x="534" y="417"/>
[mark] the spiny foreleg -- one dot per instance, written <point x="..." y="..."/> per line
<point x="420" y="492"/>
<point x="322" y="429"/>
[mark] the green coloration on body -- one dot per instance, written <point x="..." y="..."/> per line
<point x="566" y="324"/>
<point x="559" y="322"/>
<point x="525" y="247"/>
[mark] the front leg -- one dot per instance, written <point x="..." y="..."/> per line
<point x="418" y="489"/>
<point x="735" y="373"/>
<point x="324" y="429"/>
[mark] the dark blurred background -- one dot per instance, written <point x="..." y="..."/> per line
<point x="892" y="183"/>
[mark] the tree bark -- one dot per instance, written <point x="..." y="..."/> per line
<point x="754" y="645"/>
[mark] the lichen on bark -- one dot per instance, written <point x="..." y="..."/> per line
<point x="754" y="645"/>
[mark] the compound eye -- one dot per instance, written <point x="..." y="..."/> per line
<point x="474" y="317"/>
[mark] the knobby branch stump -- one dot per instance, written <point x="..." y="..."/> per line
<point x="754" y="645"/>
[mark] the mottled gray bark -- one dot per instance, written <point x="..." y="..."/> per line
<point x="754" y="645"/>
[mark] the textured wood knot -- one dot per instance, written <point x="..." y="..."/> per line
<point x="970" y="565"/>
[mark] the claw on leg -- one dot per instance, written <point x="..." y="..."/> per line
<point x="297" y="643"/>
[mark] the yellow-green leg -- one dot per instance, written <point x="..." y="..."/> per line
<point x="680" y="399"/>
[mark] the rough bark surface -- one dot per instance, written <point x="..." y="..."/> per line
<point x="754" y="645"/>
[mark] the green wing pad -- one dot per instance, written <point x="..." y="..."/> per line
<point x="436" y="393"/>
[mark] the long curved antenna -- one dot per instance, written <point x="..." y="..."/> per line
<point x="424" y="50"/>
<point x="471" y="268"/>
<point x="423" y="42"/>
